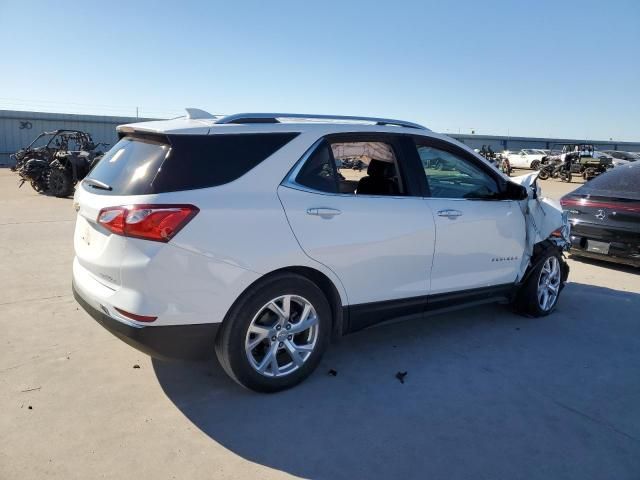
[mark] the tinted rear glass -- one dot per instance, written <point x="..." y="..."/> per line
<point x="621" y="182"/>
<point x="140" y="165"/>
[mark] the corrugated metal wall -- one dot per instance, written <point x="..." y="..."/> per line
<point x="18" y="129"/>
<point x="499" y="143"/>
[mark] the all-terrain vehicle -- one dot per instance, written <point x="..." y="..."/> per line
<point x="585" y="160"/>
<point x="55" y="161"/>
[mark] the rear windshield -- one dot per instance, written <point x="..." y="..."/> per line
<point x="140" y="165"/>
<point x="620" y="182"/>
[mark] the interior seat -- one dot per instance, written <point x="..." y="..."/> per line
<point x="379" y="179"/>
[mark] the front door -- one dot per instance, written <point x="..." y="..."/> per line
<point x="480" y="239"/>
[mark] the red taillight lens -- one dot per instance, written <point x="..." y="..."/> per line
<point x="159" y="223"/>
<point x="113" y="219"/>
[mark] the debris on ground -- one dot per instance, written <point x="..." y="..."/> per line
<point x="333" y="372"/>
<point x="400" y="376"/>
<point x="30" y="407"/>
<point x="136" y="366"/>
<point x="31" y="389"/>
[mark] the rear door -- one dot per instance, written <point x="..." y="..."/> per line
<point x="480" y="239"/>
<point x="518" y="159"/>
<point x="353" y="206"/>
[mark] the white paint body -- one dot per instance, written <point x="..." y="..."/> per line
<point x="377" y="248"/>
<point x="524" y="158"/>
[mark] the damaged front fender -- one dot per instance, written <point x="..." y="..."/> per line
<point x="544" y="220"/>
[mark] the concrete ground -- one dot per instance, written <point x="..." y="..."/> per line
<point x="488" y="394"/>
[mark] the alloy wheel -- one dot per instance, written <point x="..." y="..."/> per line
<point x="282" y="335"/>
<point x="549" y="283"/>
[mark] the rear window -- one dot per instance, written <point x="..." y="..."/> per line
<point x="140" y="165"/>
<point x="621" y="182"/>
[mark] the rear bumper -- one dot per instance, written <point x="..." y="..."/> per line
<point x="168" y="342"/>
<point x="624" y="246"/>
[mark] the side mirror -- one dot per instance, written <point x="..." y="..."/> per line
<point x="514" y="191"/>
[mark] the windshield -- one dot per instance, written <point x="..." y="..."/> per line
<point x="41" y="141"/>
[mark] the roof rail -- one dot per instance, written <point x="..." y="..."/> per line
<point x="274" y="118"/>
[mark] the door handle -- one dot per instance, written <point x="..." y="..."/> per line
<point x="323" y="212"/>
<point x="449" y="213"/>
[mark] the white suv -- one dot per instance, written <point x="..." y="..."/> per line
<point x="263" y="236"/>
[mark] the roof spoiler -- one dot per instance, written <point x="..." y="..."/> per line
<point x="198" y="114"/>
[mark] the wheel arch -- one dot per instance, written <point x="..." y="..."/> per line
<point x="328" y="287"/>
<point x="539" y="249"/>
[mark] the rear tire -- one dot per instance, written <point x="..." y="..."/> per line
<point x="257" y="330"/>
<point x="539" y="294"/>
<point x="535" y="165"/>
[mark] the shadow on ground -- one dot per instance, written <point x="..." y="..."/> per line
<point x="488" y="394"/>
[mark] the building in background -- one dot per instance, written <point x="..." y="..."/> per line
<point x="499" y="143"/>
<point x="18" y="129"/>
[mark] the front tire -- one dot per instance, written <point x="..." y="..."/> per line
<point x="60" y="182"/>
<point x="544" y="174"/>
<point x="539" y="294"/>
<point x="275" y="335"/>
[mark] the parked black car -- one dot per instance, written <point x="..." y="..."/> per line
<point x="605" y="216"/>
<point x="620" y="155"/>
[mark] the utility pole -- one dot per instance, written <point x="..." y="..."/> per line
<point x="137" y="112"/>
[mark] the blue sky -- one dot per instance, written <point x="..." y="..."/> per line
<point x="520" y="68"/>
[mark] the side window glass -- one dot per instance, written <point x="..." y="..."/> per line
<point x="367" y="168"/>
<point x="318" y="172"/>
<point x="451" y="176"/>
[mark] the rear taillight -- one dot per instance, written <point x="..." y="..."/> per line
<point x="611" y="205"/>
<point x="159" y="223"/>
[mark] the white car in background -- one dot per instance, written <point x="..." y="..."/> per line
<point x="525" y="158"/>
<point x="253" y="236"/>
